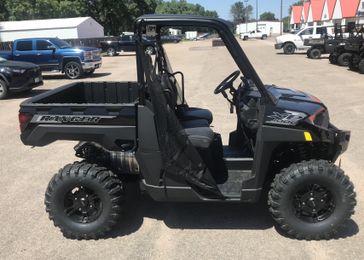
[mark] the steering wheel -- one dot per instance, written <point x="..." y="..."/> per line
<point x="227" y="83"/>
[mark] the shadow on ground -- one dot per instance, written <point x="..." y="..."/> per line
<point x="62" y="76"/>
<point x="200" y="216"/>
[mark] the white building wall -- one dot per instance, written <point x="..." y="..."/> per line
<point x="90" y="29"/>
<point x="68" y="33"/>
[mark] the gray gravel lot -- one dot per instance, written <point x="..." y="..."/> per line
<point x="151" y="230"/>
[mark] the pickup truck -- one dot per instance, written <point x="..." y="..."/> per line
<point x="254" y="35"/>
<point x="125" y="43"/>
<point x="53" y="54"/>
<point x="292" y="42"/>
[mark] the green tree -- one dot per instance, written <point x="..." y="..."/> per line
<point x="267" y="16"/>
<point x="286" y="23"/>
<point x="240" y="13"/>
<point x="182" y="7"/>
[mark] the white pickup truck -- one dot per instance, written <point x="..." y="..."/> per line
<point x="254" y="35"/>
<point x="292" y="42"/>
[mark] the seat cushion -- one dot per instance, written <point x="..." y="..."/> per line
<point x="194" y="123"/>
<point x="200" y="137"/>
<point x="192" y="113"/>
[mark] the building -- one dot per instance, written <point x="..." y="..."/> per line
<point x="65" y="28"/>
<point x="328" y="12"/>
<point x="271" y="27"/>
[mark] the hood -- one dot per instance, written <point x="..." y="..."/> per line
<point x="287" y="37"/>
<point x="295" y="100"/>
<point x="18" y="65"/>
<point x="82" y="48"/>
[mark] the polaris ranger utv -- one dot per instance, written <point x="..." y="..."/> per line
<point x="145" y="131"/>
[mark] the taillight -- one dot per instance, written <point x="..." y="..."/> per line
<point x="24" y="119"/>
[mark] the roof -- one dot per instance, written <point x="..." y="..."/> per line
<point x="42" y="24"/>
<point x="331" y="6"/>
<point x="297" y="13"/>
<point x="306" y="10"/>
<point x="317" y="7"/>
<point x="349" y="8"/>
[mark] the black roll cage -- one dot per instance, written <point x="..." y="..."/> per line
<point x="220" y="25"/>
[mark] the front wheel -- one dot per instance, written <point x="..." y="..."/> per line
<point x="344" y="59"/>
<point x="83" y="200"/>
<point x="73" y="70"/>
<point x="315" y="54"/>
<point x="311" y="199"/>
<point x="149" y="50"/>
<point x="111" y="52"/>
<point x="264" y="37"/>
<point x="3" y="89"/>
<point x="289" y="48"/>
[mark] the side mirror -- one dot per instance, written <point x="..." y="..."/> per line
<point x="52" y="48"/>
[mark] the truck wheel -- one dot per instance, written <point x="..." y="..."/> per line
<point x="73" y="70"/>
<point x="264" y="37"/>
<point x="245" y="38"/>
<point x="344" y="59"/>
<point x="289" y="48"/>
<point x="83" y="200"/>
<point x="315" y="54"/>
<point x="311" y="199"/>
<point x="333" y="58"/>
<point x="3" y="89"/>
<point x="111" y="51"/>
<point x="149" y="50"/>
<point x="361" y="66"/>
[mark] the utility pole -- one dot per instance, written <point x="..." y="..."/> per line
<point x="281" y="17"/>
<point x="246" y="15"/>
<point x="256" y="7"/>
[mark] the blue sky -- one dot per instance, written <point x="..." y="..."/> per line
<point x="223" y="6"/>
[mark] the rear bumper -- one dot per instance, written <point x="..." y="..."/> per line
<point x="91" y="65"/>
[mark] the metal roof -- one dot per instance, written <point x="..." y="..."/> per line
<point x="25" y="25"/>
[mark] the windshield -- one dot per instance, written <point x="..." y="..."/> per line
<point x="2" y="59"/>
<point x="60" y="43"/>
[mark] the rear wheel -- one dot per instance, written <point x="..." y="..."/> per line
<point x="311" y="200"/>
<point x="245" y="38"/>
<point x="83" y="200"/>
<point x="315" y="53"/>
<point x="333" y="58"/>
<point x="73" y="70"/>
<point x="111" y="51"/>
<point x="361" y="66"/>
<point x="3" y="89"/>
<point x="289" y="48"/>
<point x="264" y="37"/>
<point x="344" y="59"/>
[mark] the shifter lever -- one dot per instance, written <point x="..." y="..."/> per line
<point x="231" y="108"/>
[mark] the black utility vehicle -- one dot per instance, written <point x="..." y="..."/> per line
<point x="356" y="61"/>
<point x="343" y="52"/>
<point x="17" y="76"/>
<point x="144" y="131"/>
<point x="326" y="44"/>
<point x="126" y="43"/>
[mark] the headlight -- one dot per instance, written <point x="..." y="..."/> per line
<point x="88" y="55"/>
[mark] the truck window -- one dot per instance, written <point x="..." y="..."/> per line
<point x="321" y="30"/>
<point x="126" y="38"/>
<point x="43" y="45"/>
<point x="24" y="46"/>
<point x="308" y="31"/>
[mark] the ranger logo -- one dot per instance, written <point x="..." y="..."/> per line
<point x="59" y="119"/>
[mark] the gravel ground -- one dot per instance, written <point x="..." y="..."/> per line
<point x="151" y="230"/>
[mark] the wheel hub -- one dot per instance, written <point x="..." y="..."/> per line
<point x="313" y="203"/>
<point x="82" y="205"/>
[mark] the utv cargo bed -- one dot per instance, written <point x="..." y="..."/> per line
<point x="103" y="112"/>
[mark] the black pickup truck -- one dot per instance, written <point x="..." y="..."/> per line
<point x="283" y="144"/>
<point x="125" y="43"/>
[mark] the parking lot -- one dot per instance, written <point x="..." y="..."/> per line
<point x="181" y="231"/>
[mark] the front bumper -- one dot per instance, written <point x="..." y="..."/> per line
<point x="341" y="140"/>
<point x="278" y="46"/>
<point x="26" y="81"/>
<point x="92" y="65"/>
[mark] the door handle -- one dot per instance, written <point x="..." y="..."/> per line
<point x="38" y="54"/>
<point x="17" y="55"/>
